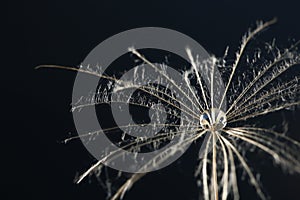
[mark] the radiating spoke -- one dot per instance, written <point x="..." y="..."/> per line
<point x="277" y="93"/>
<point x="194" y="65"/>
<point x="279" y="71"/>
<point x="225" y="189"/>
<point x="260" y="74"/>
<point x="246" y="167"/>
<point x="233" y="178"/>
<point x="127" y="185"/>
<point x="262" y="112"/>
<point x="134" y="51"/>
<point x="115" y="154"/>
<point x="239" y="54"/>
<point x="204" y="170"/>
<point x="215" y="187"/>
<point x="192" y="114"/>
<point x="281" y="153"/>
<point x="116" y="128"/>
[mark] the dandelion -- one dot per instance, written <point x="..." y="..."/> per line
<point x="255" y="85"/>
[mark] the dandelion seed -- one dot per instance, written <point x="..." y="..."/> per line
<point x="252" y="92"/>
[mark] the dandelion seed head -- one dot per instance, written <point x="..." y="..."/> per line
<point x="191" y="105"/>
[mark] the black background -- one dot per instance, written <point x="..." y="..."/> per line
<point x="35" y="113"/>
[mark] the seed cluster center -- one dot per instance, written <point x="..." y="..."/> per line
<point x="213" y="119"/>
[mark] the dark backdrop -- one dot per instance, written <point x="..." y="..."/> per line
<point x="35" y="113"/>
